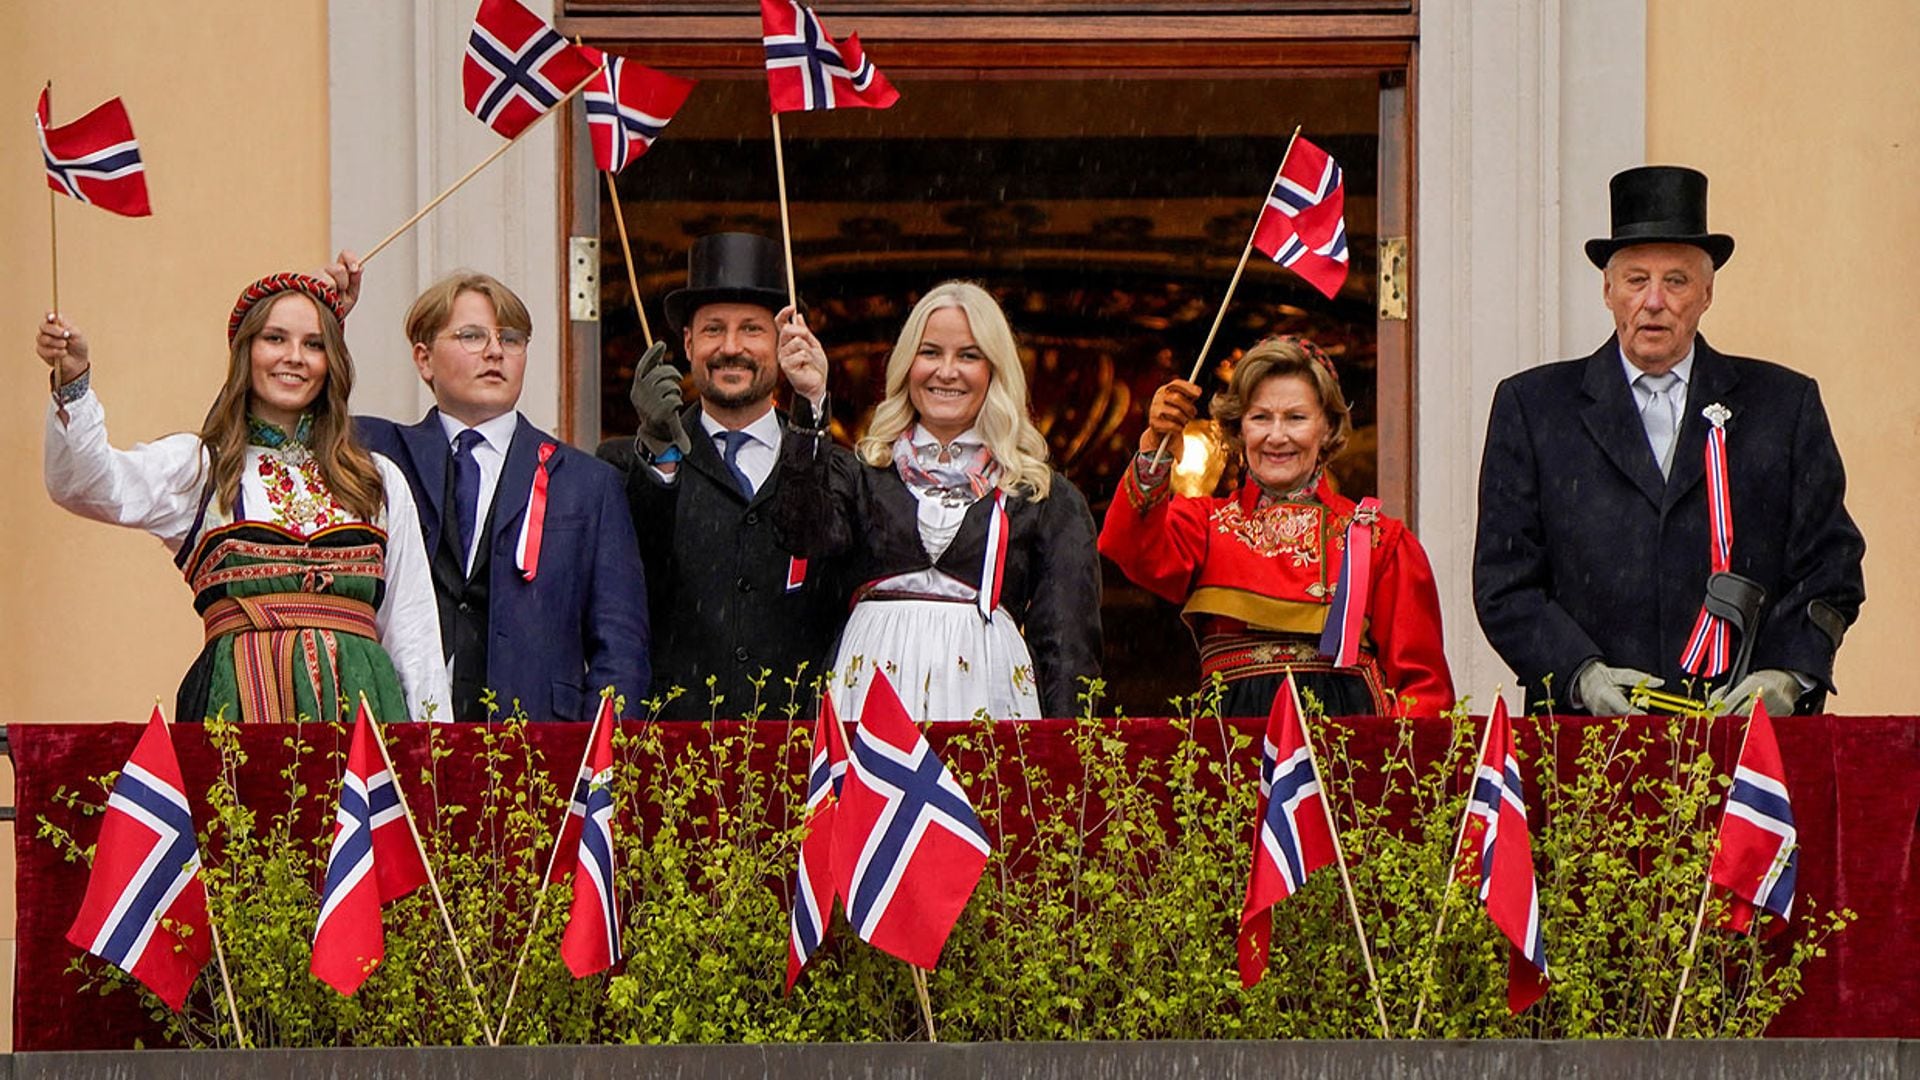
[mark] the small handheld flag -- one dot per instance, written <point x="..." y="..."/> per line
<point x="1499" y="841"/>
<point x="1756" y="859"/>
<point x="908" y="848"/>
<point x="517" y="67"/>
<point x="1292" y="839"/>
<point x="591" y="943"/>
<point x="145" y="909"/>
<point x="628" y="106"/>
<point x="1303" y="225"/>
<point x="807" y="70"/>
<point x="813" y="886"/>
<point x="95" y="159"/>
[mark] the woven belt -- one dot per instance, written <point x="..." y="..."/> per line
<point x="289" y="611"/>
<point x="1236" y="656"/>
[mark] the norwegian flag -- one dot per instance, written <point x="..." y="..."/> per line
<point x="375" y="860"/>
<point x="1303" y="224"/>
<point x="628" y="106"/>
<point x="145" y="911"/>
<point x="813" y="885"/>
<point x="518" y="67"/>
<point x="1757" y="856"/>
<point x="908" y="848"/>
<point x="95" y="159"/>
<point x="591" y="943"/>
<point x="1498" y="840"/>
<point x="806" y="70"/>
<point x="1295" y="836"/>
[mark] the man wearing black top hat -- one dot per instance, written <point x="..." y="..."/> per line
<point x="726" y="602"/>
<point x="1592" y="562"/>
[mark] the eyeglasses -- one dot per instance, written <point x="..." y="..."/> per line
<point x="474" y="339"/>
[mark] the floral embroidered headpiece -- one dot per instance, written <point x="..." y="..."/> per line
<point x="274" y="285"/>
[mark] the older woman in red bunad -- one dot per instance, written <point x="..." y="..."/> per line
<point x="1260" y="571"/>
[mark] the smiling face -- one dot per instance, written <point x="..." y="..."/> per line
<point x="1657" y="293"/>
<point x="730" y="348"/>
<point x="473" y="387"/>
<point x="947" y="383"/>
<point x="1284" y="429"/>
<point x="287" y="362"/>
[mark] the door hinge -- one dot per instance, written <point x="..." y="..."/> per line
<point x="583" y="278"/>
<point x="1393" y="277"/>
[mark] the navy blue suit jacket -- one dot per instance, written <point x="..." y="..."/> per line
<point x="1584" y="551"/>
<point x="581" y="624"/>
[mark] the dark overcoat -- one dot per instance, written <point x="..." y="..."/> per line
<point x="1584" y="551"/>
<point x="727" y="601"/>
<point x="581" y="624"/>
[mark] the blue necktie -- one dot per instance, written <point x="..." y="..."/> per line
<point x="466" y="489"/>
<point x="735" y="440"/>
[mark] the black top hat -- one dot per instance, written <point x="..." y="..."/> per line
<point x="729" y="267"/>
<point x="1660" y="204"/>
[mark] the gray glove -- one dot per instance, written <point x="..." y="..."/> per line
<point x="1603" y="690"/>
<point x="656" y="397"/>
<point x="1779" y="688"/>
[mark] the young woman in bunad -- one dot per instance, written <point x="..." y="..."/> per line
<point x="958" y="528"/>
<point x="303" y="550"/>
<point x="1259" y="570"/>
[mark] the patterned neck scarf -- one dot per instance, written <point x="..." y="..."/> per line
<point x="959" y="472"/>
<point x="273" y="437"/>
<point x="1307" y="492"/>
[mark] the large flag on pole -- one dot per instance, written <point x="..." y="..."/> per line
<point x="1757" y="857"/>
<point x="145" y="910"/>
<point x="908" y="848"/>
<point x="813" y="887"/>
<point x="1499" y="842"/>
<point x="807" y="70"/>
<point x="517" y="67"/>
<point x="95" y="159"/>
<point x="628" y="106"/>
<point x="591" y="942"/>
<point x="1303" y="224"/>
<point x="374" y="861"/>
<point x="1293" y="838"/>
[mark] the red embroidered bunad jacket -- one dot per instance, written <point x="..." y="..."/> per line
<point x="1273" y="569"/>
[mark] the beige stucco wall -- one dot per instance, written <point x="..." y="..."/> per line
<point x="1807" y="121"/>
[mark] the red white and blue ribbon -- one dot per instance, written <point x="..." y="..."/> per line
<point x="1341" y="638"/>
<point x="993" y="568"/>
<point x="1707" y="652"/>
<point x="534" y="526"/>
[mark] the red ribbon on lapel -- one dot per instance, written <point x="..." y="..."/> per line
<point x="1707" y="652"/>
<point x="535" y="525"/>
<point x="1341" y="638"/>
<point x="993" y="568"/>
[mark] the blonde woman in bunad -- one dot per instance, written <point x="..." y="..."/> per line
<point x="960" y="531"/>
<point x="1260" y="570"/>
<point x="303" y="550"/>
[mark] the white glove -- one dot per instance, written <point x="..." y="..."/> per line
<point x="1779" y="688"/>
<point x="1603" y="689"/>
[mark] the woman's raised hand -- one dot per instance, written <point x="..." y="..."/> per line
<point x="345" y="272"/>
<point x="801" y="356"/>
<point x="62" y="347"/>
<point x="1173" y="407"/>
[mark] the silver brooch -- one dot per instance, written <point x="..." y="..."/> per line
<point x="1717" y="414"/>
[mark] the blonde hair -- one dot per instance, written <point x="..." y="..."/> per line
<point x="434" y="308"/>
<point x="1276" y="358"/>
<point x="1003" y="423"/>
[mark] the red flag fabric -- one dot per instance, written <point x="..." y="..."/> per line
<point x="95" y="159"/>
<point x="908" y="848"/>
<point x="1292" y="838"/>
<point x="813" y="884"/>
<point x="517" y="67"/>
<point x="1756" y="858"/>
<point x="1303" y="224"/>
<point x="628" y="106"/>
<point x="374" y="860"/>
<point x="807" y="70"/>
<point x="1499" y="841"/>
<point x="145" y="910"/>
<point x="591" y="943"/>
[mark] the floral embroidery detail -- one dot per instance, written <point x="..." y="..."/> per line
<point x="299" y="498"/>
<point x="1288" y="529"/>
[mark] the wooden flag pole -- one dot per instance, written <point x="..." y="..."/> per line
<point x="1220" y="315"/>
<point x="213" y="925"/>
<point x="476" y="170"/>
<point x="1340" y="860"/>
<point x="926" y="1003"/>
<point x="1700" y="916"/>
<point x="53" y="229"/>
<point x="433" y="881"/>
<point x="786" y="222"/>
<point x="546" y="878"/>
<point x="1446" y="881"/>
<point x="626" y="252"/>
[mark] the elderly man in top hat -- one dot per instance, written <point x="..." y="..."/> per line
<point x="727" y="603"/>
<point x="1660" y="513"/>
